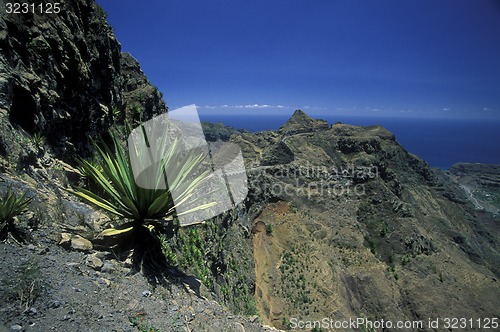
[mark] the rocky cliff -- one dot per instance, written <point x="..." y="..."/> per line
<point x="481" y="182"/>
<point x="63" y="76"/>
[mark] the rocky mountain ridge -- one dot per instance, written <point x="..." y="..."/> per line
<point x="362" y="228"/>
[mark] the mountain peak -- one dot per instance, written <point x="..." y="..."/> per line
<point x="301" y="122"/>
<point x="300" y="114"/>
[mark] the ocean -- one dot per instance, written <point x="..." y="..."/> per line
<point x="440" y="142"/>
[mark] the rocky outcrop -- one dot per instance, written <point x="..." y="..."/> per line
<point x="63" y="77"/>
<point x="300" y="122"/>
<point x="219" y="131"/>
<point x="277" y="154"/>
<point x="60" y="74"/>
<point x="142" y="100"/>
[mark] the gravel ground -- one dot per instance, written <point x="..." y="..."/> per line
<point x="45" y="287"/>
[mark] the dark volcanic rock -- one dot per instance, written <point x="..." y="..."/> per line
<point x="277" y="154"/>
<point x="60" y="74"/>
<point x="63" y="76"/>
<point x="142" y="99"/>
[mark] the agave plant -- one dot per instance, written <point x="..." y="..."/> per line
<point x="11" y="206"/>
<point x="142" y="209"/>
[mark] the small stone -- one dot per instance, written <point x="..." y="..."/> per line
<point x="94" y="262"/>
<point x="55" y="304"/>
<point x="81" y="244"/>
<point x="240" y="327"/>
<point x="100" y="254"/>
<point x="175" y="291"/>
<point x="108" y="267"/>
<point x="65" y="240"/>
<point x="146" y="293"/>
<point x="128" y="262"/>
<point x="31" y="246"/>
<point x="16" y="327"/>
<point x="32" y="311"/>
<point x="104" y="282"/>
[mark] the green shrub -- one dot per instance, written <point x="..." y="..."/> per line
<point x="186" y="250"/>
<point x="26" y="286"/>
<point x="11" y="206"/>
<point x="38" y="140"/>
<point x="124" y="198"/>
<point x="101" y="12"/>
<point x="139" y="320"/>
<point x="406" y="259"/>
<point x="269" y="229"/>
<point x="166" y="248"/>
<point x="146" y="211"/>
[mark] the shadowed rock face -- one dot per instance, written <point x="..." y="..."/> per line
<point x="64" y="76"/>
<point x="60" y="74"/>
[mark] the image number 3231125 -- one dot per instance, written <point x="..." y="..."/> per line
<point x="32" y="8"/>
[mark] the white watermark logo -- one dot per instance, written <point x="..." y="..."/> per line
<point x="166" y="144"/>
<point x="312" y="180"/>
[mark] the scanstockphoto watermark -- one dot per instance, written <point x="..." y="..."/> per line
<point x="311" y="180"/>
<point x="330" y="173"/>
<point x="354" y="323"/>
<point x="361" y="323"/>
<point x="311" y="189"/>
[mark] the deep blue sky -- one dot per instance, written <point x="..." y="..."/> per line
<point x="420" y="58"/>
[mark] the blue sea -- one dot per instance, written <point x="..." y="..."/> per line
<point x="440" y="142"/>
